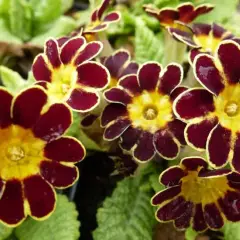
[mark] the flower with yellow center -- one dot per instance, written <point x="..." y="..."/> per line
<point x="66" y="71"/>
<point x="198" y="197"/>
<point x="140" y="112"/>
<point x="34" y="155"/>
<point x="212" y="114"/>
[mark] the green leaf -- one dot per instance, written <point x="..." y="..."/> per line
<point x="5" y="231"/>
<point x="4" y="7"/>
<point x="231" y="231"/>
<point x="66" y="5"/>
<point x="190" y="234"/>
<point x="154" y="181"/>
<point x="20" y="19"/>
<point x="12" y="80"/>
<point x="63" y="26"/>
<point x="148" y="46"/>
<point x="127" y="214"/>
<point x="61" y="225"/>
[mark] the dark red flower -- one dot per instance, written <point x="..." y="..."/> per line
<point x="198" y="197"/>
<point x="140" y="112"/>
<point x="35" y="157"/>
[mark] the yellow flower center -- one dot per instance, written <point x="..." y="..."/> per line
<point x="227" y="106"/>
<point x="150" y="111"/>
<point x="203" y="190"/>
<point x="21" y="153"/>
<point x="63" y="80"/>
<point x="207" y="42"/>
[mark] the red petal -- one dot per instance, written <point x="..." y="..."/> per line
<point x="52" y="52"/>
<point x="212" y="216"/>
<point x="117" y="95"/>
<point x="129" y="138"/>
<point x="112" y="17"/>
<point x="199" y="223"/>
<point x="5" y="108"/>
<point x="193" y="163"/>
<point x="236" y="154"/>
<point x="130" y="83"/>
<point x="171" y="176"/>
<point x="176" y="127"/>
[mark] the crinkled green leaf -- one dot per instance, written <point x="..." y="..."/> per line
<point x="190" y="234"/>
<point x="12" y="80"/>
<point x="127" y="214"/>
<point x="63" y="26"/>
<point x="5" y="231"/>
<point x="154" y="181"/>
<point x="61" y="225"/>
<point x="20" y="19"/>
<point x="4" y="6"/>
<point x="231" y="231"/>
<point x="148" y="46"/>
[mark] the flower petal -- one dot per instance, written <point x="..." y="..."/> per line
<point x="177" y="91"/>
<point x="5" y="108"/>
<point x="131" y="68"/>
<point x="218" y="146"/>
<point x="70" y="49"/>
<point x="52" y="52"/>
<point x="171" y="78"/>
<point x="212" y="216"/>
<point x="165" y="195"/>
<point x="112" y="17"/>
<point x="112" y="112"/>
<point x="196" y="134"/>
<point x="199" y="223"/>
<point x="144" y="150"/>
<point x="25" y="111"/>
<point x="91" y="50"/>
<point x="116" y="129"/>
<point x="103" y="7"/>
<point x="130" y="83"/>
<point x="193" y="163"/>
<point x="88" y="120"/>
<point x="171" y="176"/>
<point x="148" y="75"/>
<point x="93" y="74"/>
<point x="40" y="196"/>
<point x="11" y="204"/>
<point x="184" y="220"/>
<point x="165" y="144"/>
<point x="117" y="95"/>
<point x="236" y="154"/>
<point x="129" y="138"/>
<point x="176" y="127"/>
<point x="82" y="100"/>
<point x="193" y="54"/>
<point x="53" y="123"/>
<point x="193" y="103"/>
<point x="58" y="175"/>
<point x="65" y="149"/>
<point x="40" y="69"/>
<point x="229" y="56"/>
<point x="207" y="73"/>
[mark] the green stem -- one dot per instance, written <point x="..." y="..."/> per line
<point x="190" y="80"/>
<point x="107" y="48"/>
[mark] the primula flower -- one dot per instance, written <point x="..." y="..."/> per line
<point x="34" y="155"/>
<point x="68" y="75"/>
<point x="140" y="112"/>
<point x="202" y="37"/>
<point x="99" y="22"/>
<point x="184" y="14"/>
<point x="213" y="114"/>
<point x="197" y="196"/>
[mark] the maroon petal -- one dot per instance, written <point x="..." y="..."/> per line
<point x="115" y="129"/>
<point x="82" y="100"/>
<point x="99" y="28"/>
<point x="70" y="49"/>
<point x="214" y="173"/>
<point x="52" y="52"/>
<point x="218" y="146"/>
<point x="230" y="205"/>
<point x="41" y="69"/>
<point x="62" y="40"/>
<point x="91" y="50"/>
<point x="117" y="95"/>
<point x="40" y="196"/>
<point x="212" y="216"/>
<point x="129" y="138"/>
<point x="25" y="111"/>
<point x="173" y="210"/>
<point x="144" y="150"/>
<point x="116" y="62"/>
<point x="88" y="120"/>
<point x="184" y="220"/>
<point x="93" y="74"/>
<point x="177" y="91"/>
<point x="207" y="73"/>
<point x="165" y="144"/>
<point x="197" y="133"/>
<point x="148" y="75"/>
<point x="112" y="17"/>
<point x="229" y="56"/>
<point x="171" y="78"/>
<point x="12" y="203"/>
<point x="5" y="108"/>
<point x="199" y="223"/>
<point x="193" y="163"/>
<point x="171" y="176"/>
<point x="131" y="68"/>
<point x="130" y="83"/>
<point x="65" y="149"/>
<point x="103" y="7"/>
<point x="201" y="29"/>
<point x="112" y="112"/>
<point x="193" y="103"/>
<point x="193" y="54"/>
<point x="176" y="127"/>
<point x="53" y="123"/>
<point x="58" y="175"/>
<point x="236" y="154"/>
<point x="165" y="195"/>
